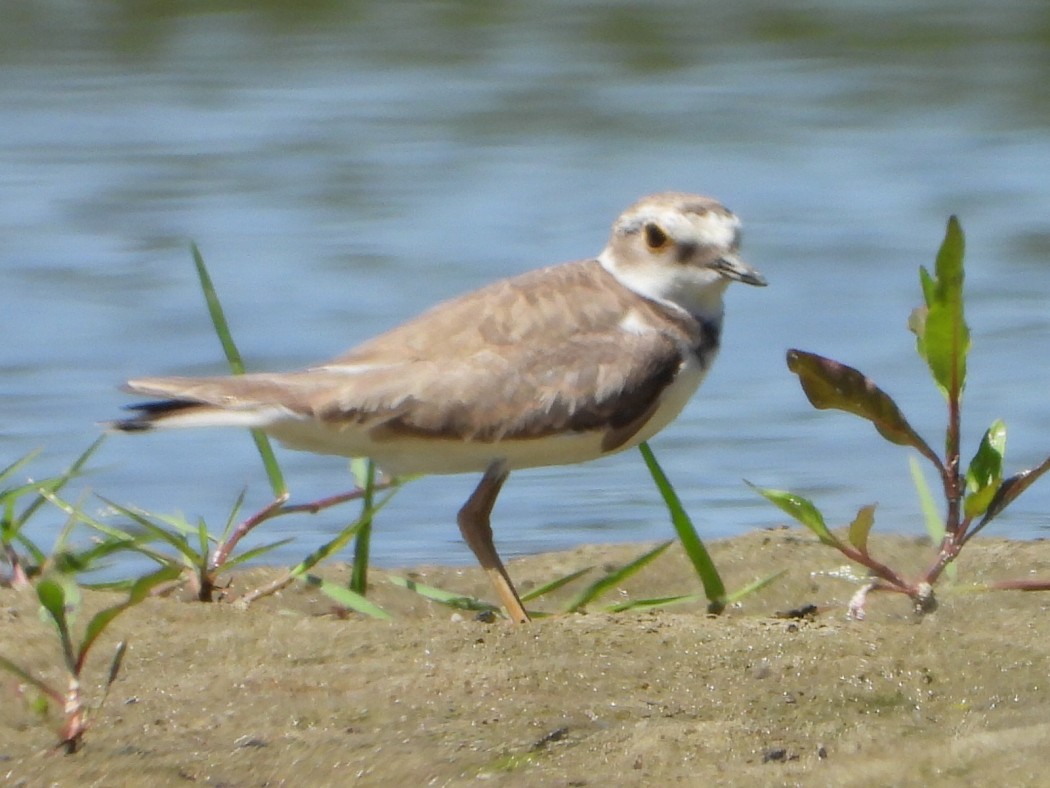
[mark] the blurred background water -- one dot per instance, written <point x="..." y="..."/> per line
<point x="343" y="165"/>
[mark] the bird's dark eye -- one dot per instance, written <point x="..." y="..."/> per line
<point x="655" y="238"/>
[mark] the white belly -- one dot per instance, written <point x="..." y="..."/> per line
<point x="421" y="455"/>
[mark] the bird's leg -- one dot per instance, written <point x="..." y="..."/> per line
<point x="474" y="524"/>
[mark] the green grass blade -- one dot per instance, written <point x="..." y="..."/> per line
<point x="363" y="540"/>
<point x="655" y="603"/>
<point x="554" y="585"/>
<point x="181" y="544"/>
<point x="231" y="520"/>
<point x="218" y="316"/>
<point x="21" y="461"/>
<point x="233" y="357"/>
<point x="55" y="485"/>
<point x="202" y="539"/>
<point x="758" y="585"/>
<point x="714" y="588"/>
<point x="255" y="552"/>
<point x="327" y="549"/>
<point x="114" y="669"/>
<point x="347" y="598"/>
<point x="135" y="542"/>
<point x="139" y="591"/>
<point x="449" y="598"/>
<point x="931" y="517"/>
<point x="341" y="539"/>
<point x="29" y="678"/>
<point x="612" y="579"/>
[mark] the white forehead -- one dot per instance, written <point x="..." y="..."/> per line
<point x="700" y="220"/>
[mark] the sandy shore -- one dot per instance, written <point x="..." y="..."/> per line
<point x="289" y="692"/>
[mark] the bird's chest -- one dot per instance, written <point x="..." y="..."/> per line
<point x="676" y="395"/>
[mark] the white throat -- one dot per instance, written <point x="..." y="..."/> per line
<point x="697" y="291"/>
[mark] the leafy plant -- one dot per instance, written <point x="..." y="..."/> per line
<point x="23" y="556"/>
<point x="60" y="599"/>
<point x="973" y="497"/>
<point x="192" y="545"/>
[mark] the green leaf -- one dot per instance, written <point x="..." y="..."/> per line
<point x="21" y="461"/>
<point x="255" y="552"/>
<point x="231" y="518"/>
<point x="758" y="585"/>
<point x="985" y="473"/>
<point x="55" y="485"/>
<point x="116" y="538"/>
<point x="341" y="539"/>
<point x="29" y="678"/>
<point x="830" y="384"/>
<point x="52" y="593"/>
<point x="202" y="543"/>
<point x="449" y="598"/>
<point x="861" y="527"/>
<point x="1011" y="488"/>
<point x="233" y="357"/>
<point x="327" y="549"/>
<point x="114" y="669"/>
<point x="554" y="585"/>
<point x="139" y="592"/>
<point x="361" y="468"/>
<point x="802" y="509"/>
<point x="656" y="603"/>
<point x="701" y="560"/>
<point x="612" y="579"/>
<point x="917" y="325"/>
<point x="347" y="598"/>
<point x="932" y="518"/>
<point x="366" y="480"/>
<point x="946" y="338"/>
<point x="929" y="286"/>
<point x="188" y="554"/>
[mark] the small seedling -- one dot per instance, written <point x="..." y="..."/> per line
<point x="60" y="599"/>
<point x="973" y="497"/>
<point x="192" y="545"/>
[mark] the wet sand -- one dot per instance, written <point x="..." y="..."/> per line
<point x="292" y="692"/>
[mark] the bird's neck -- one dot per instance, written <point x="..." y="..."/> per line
<point x="697" y="292"/>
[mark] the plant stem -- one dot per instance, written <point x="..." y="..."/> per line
<point x="952" y="488"/>
<point x="278" y="508"/>
<point x="264" y="514"/>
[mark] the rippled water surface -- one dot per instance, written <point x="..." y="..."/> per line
<point x="344" y="165"/>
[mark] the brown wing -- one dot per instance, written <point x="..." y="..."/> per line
<point x="591" y="382"/>
<point x="548" y="303"/>
<point x="525" y="357"/>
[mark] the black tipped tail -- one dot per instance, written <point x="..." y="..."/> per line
<point x="148" y="414"/>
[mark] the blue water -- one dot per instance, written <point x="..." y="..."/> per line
<point x="346" y="166"/>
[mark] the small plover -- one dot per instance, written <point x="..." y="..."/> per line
<point x="559" y="365"/>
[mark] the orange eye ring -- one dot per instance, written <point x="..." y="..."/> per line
<point x="655" y="238"/>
